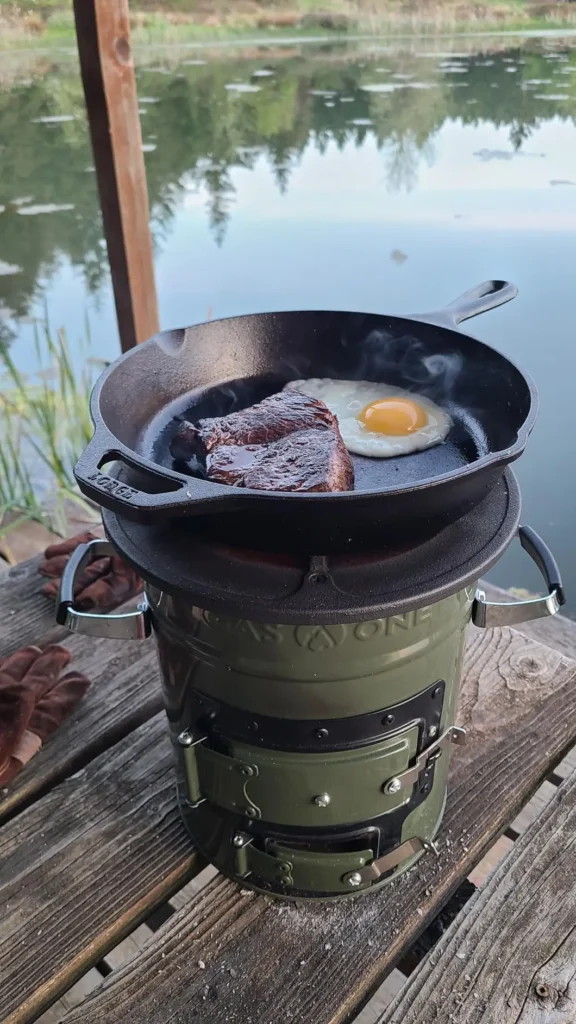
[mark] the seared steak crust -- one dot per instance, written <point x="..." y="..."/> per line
<point x="287" y="442"/>
<point x="269" y="420"/>
<point x="307" y="460"/>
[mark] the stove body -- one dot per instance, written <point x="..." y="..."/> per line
<point x="312" y="701"/>
<point x="311" y="759"/>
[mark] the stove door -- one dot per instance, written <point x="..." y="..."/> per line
<point x="304" y="789"/>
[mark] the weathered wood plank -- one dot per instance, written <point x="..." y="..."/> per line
<point x="103" y="32"/>
<point x="510" y="957"/>
<point x="26" y="615"/>
<point x="266" y="961"/>
<point x="25" y="540"/>
<point x="82" y="867"/>
<point x="125" y="692"/>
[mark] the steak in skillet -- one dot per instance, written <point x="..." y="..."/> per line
<point x="307" y="460"/>
<point x="288" y="442"/>
<point x="269" y="420"/>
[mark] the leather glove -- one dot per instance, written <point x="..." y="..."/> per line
<point x="34" y="700"/>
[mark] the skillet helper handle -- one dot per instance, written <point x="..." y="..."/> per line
<point x="480" y="299"/>
<point x="122" y="626"/>
<point x="167" y="493"/>
<point x="495" y="613"/>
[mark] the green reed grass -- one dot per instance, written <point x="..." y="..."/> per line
<point x="44" y="426"/>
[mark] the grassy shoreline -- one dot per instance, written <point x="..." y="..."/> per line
<point x="50" y="23"/>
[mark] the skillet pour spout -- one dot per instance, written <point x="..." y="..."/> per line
<point x="214" y="368"/>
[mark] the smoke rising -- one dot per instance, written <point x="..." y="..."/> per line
<point x="406" y="362"/>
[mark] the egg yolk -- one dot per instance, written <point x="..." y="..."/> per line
<point x="394" y="416"/>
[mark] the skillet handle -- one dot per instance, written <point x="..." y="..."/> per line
<point x="477" y="300"/>
<point x="154" y="493"/>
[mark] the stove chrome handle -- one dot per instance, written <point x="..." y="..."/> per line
<point x="123" y="626"/>
<point x="486" y="614"/>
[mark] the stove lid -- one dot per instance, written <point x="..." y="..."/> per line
<point x="293" y="589"/>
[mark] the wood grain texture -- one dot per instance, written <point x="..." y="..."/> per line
<point x="267" y="961"/>
<point x="82" y="867"/>
<point x="107" y="67"/>
<point x="125" y="692"/>
<point x="510" y="957"/>
<point x="26" y="615"/>
<point x="24" y="540"/>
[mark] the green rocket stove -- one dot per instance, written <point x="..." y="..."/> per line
<point x="312" y="701"/>
<point x="310" y="644"/>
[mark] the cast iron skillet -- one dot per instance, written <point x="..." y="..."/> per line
<point x="214" y="368"/>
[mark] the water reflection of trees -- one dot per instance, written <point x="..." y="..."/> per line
<point x="202" y="131"/>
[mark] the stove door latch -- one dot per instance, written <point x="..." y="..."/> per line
<point x="425" y="760"/>
<point x="373" y="871"/>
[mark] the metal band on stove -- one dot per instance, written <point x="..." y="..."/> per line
<point x="314" y="735"/>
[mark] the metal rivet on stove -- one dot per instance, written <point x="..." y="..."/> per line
<point x="185" y="739"/>
<point x="250" y="812"/>
<point x="322" y="800"/>
<point x="425" y="788"/>
<point x="388" y="719"/>
<point x="247" y="770"/>
<point x="394" y="786"/>
<point x="433" y="731"/>
<point x="238" y="840"/>
<point x="437" y="691"/>
<point x="321" y="734"/>
<point x="355" y="879"/>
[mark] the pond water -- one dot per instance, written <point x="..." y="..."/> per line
<point x="359" y="176"/>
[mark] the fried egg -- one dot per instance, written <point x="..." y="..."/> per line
<point x="378" y="420"/>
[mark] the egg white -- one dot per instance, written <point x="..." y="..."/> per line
<point x="347" y="398"/>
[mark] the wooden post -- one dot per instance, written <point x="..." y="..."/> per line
<point x="103" y="32"/>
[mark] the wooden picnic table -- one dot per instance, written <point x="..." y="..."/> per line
<point x="94" y="862"/>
